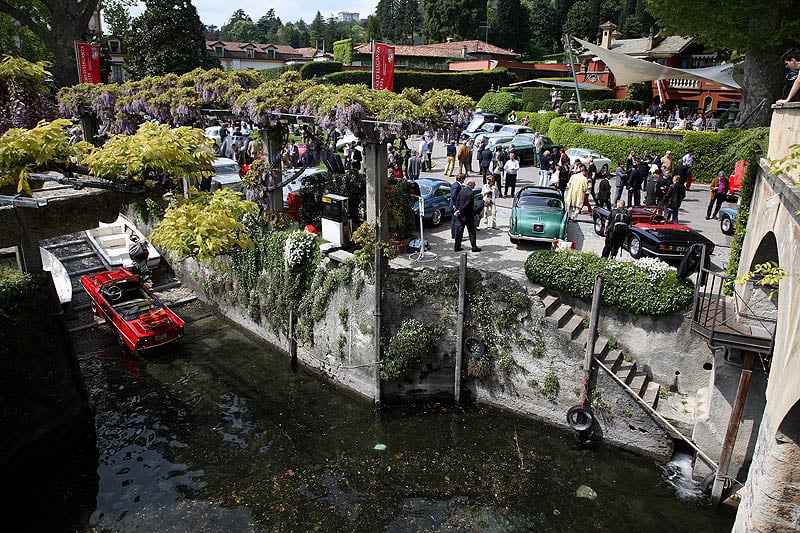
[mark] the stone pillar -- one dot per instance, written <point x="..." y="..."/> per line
<point x="375" y="165"/>
<point x="771" y="495"/>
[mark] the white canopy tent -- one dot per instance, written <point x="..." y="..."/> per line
<point x="627" y="69"/>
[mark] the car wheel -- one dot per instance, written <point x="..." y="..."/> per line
<point x="726" y="225"/>
<point x="599" y="225"/>
<point x="437" y="217"/>
<point x="635" y="247"/>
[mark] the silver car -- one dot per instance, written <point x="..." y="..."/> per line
<point x="602" y="163"/>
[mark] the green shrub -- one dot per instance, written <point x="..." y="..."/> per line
<point x="539" y="121"/>
<point x="643" y="287"/>
<point x="498" y="103"/>
<point x="319" y="69"/>
<point x="640" y="91"/>
<point x="472" y="84"/>
<point x="536" y="98"/>
<point x="413" y="343"/>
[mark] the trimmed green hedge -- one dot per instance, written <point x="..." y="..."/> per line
<point x="472" y="84"/>
<point x="712" y="151"/>
<point x="498" y="103"/>
<point x="538" y="121"/>
<point x="319" y="69"/>
<point x="538" y="98"/>
<point x="627" y="285"/>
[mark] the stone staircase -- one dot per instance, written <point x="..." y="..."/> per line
<point x="610" y="358"/>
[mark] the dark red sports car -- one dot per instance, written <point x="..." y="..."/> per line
<point x="127" y="304"/>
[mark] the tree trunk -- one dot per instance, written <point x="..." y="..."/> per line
<point x="763" y="75"/>
<point x="65" y="66"/>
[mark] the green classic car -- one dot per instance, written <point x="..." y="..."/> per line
<point x="524" y="146"/>
<point x="538" y="214"/>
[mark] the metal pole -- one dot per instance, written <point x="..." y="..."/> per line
<point x="572" y="68"/>
<point x="378" y="311"/>
<point x="597" y="296"/>
<point x="462" y="290"/>
<point x="733" y="428"/>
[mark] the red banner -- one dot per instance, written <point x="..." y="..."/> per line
<point x="383" y="66"/>
<point x="88" y="63"/>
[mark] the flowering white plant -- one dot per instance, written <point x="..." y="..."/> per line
<point x="299" y="247"/>
<point x="656" y="267"/>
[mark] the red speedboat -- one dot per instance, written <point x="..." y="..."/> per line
<point x="127" y="304"/>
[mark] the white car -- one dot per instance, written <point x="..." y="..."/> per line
<point x="226" y="175"/>
<point x="297" y="183"/>
<point x="347" y="138"/>
<point x="504" y="134"/>
<point x="212" y="133"/>
<point x="602" y="163"/>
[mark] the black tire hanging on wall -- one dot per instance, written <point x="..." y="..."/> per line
<point x="474" y="347"/>
<point x="580" y="418"/>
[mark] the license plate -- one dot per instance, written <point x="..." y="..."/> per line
<point x="538" y="228"/>
<point x="681" y="248"/>
<point x="161" y="337"/>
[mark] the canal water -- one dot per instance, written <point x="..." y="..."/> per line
<point x="219" y="434"/>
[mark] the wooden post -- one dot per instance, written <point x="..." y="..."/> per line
<point x="292" y="340"/>
<point x="733" y="428"/>
<point x="462" y="291"/>
<point x="597" y="297"/>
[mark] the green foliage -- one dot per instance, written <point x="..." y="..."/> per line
<point x="635" y="287"/>
<point x="536" y="98"/>
<point x="417" y="285"/>
<point x="275" y="73"/>
<point x="148" y="210"/>
<point x="471" y="84"/>
<point x="313" y="302"/>
<point x="399" y="198"/>
<point x="550" y="388"/>
<point x="712" y="151"/>
<point x="788" y="164"/>
<point x="642" y="92"/>
<point x="318" y="69"/>
<point x="155" y="151"/>
<point x="167" y="38"/>
<point x="412" y="344"/>
<point x="24" y="150"/>
<point x="539" y="121"/>
<point x="343" y="52"/>
<point x="366" y="238"/>
<point x="598" y="404"/>
<point x="206" y="225"/>
<point x="344" y="316"/>
<point x="14" y="287"/>
<point x="498" y="103"/>
<point x="767" y="274"/>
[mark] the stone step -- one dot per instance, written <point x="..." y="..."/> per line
<point x="574" y="327"/>
<point x="560" y="316"/>
<point x="539" y="290"/>
<point x="650" y="395"/>
<point x="626" y="371"/>
<point x="638" y="383"/>
<point x="551" y="303"/>
<point x="613" y="359"/>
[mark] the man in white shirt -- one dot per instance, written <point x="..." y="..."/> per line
<point x="512" y="168"/>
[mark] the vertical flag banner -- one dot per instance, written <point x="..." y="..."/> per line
<point x="383" y="66"/>
<point x="88" y="63"/>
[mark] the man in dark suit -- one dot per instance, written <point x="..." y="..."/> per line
<point x="465" y="214"/>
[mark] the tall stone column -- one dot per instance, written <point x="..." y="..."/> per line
<point x="273" y="144"/>
<point x="771" y="496"/>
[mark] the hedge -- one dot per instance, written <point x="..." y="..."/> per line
<point x="472" y="84"/>
<point x="712" y="151"/>
<point x="643" y="287"/>
<point x="319" y="69"/>
<point x="498" y="103"/>
<point x="537" y="98"/>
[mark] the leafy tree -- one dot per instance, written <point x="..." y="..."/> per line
<point x="374" y="28"/>
<point x="510" y="25"/>
<point x="763" y="29"/>
<point x="117" y="18"/>
<point x="211" y="32"/>
<point x="579" y="21"/>
<point x="289" y="34"/>
<point x="244" y="31"/>
<point x="456" y="19"/>
<point x="168" y="37"/>
<point x="544" y="28"/>
<point x="19" y="41"/>
<point x="269" y="23"/>
<point x="409" y="20"/>
<point x="58" y="24"/>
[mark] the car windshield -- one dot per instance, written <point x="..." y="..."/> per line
<point x="540" y="201"/>
<point x="227" y="169"/>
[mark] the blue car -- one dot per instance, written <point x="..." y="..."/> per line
<point x="435" y="193"/>
<point x="727" y="219"/>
